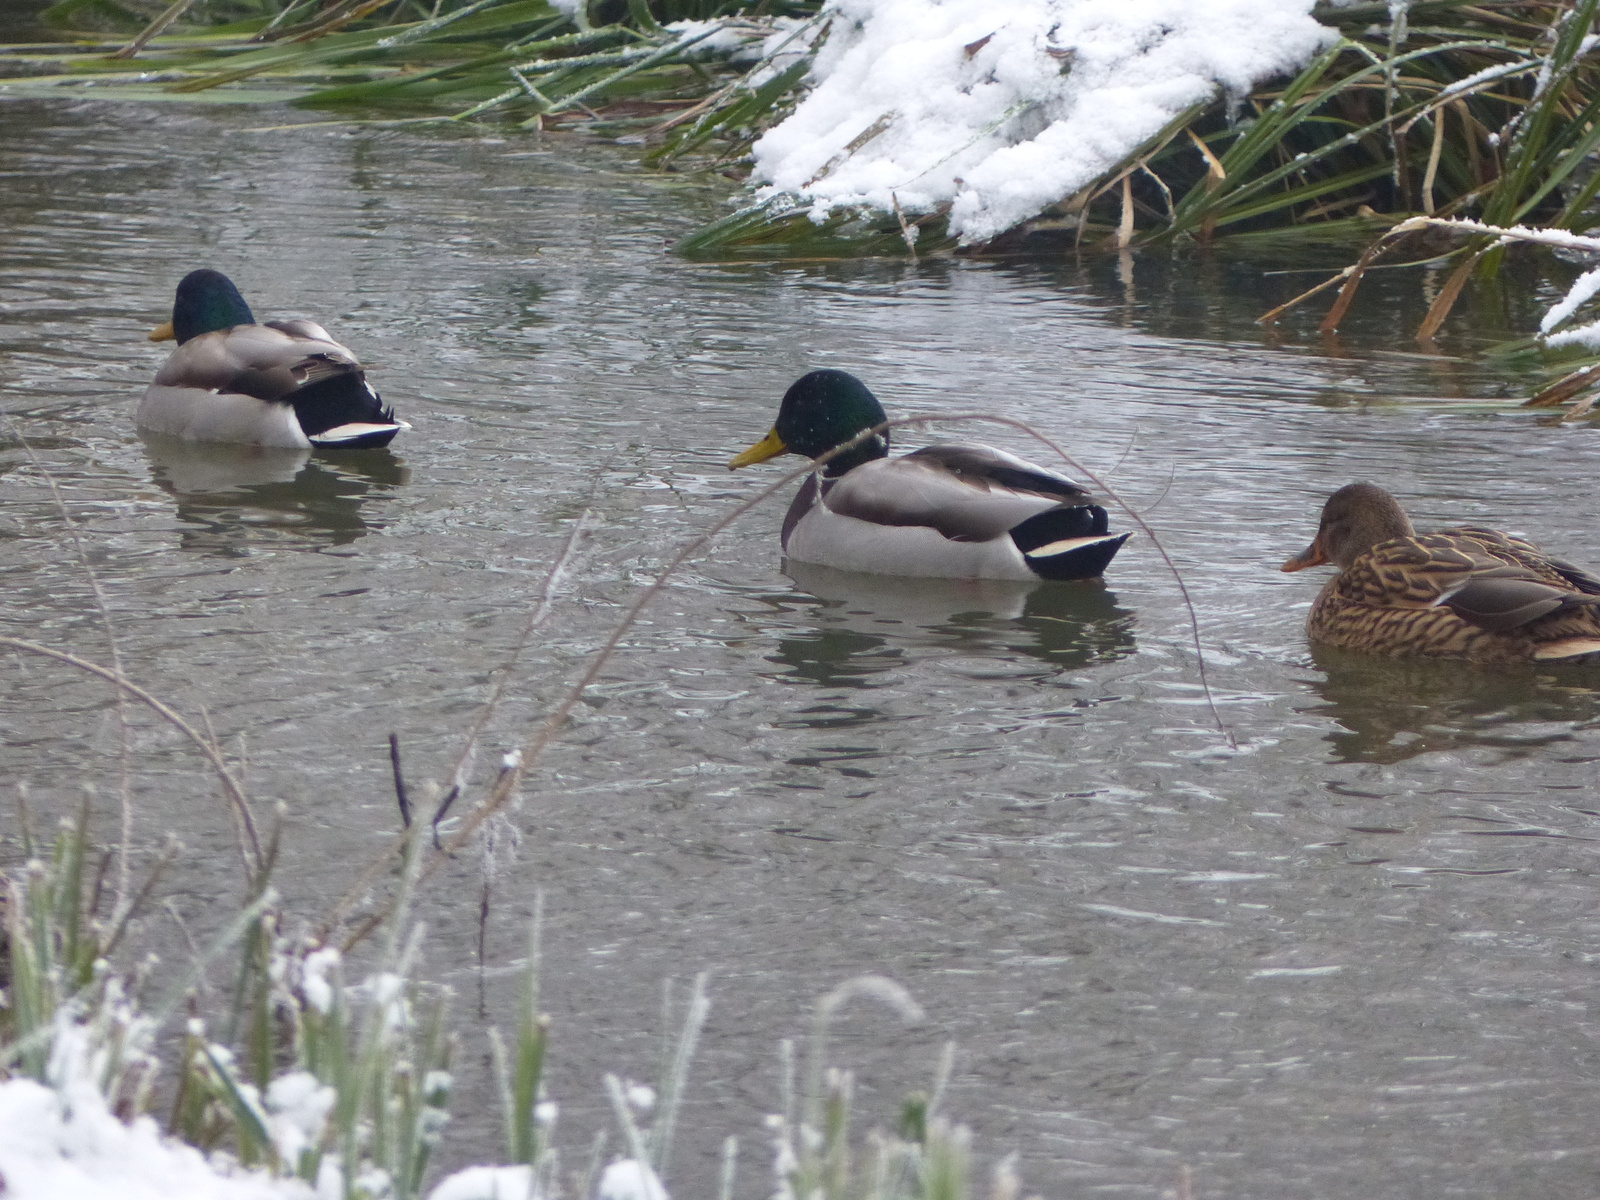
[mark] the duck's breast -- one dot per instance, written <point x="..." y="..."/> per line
<point x="201" y="415"/>
<point x="831" y="539"/>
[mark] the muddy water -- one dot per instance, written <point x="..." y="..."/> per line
<point x="1354" y="955"/>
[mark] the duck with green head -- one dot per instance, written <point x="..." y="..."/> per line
<point x="950" y="511"/>
<point x="283" y="383"/>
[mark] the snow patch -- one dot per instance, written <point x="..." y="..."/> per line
<point x="630" y="1179"/>
<point x="65" y="1144"/>
<point x="1582" y="290"/>
<point x="314" y="978"/>
<point x="740" y="41"/>
<point x="487" y="1183"/>
<point x="297" y="1110"/>
<point x="999" y="111"/>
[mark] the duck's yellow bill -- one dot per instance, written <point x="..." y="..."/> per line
<point x="768" y="447"/>
<point x="163" y="332"/>
<point x="1312" y="556"/>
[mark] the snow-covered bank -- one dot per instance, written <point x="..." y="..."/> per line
<point x="65" y="1143"/>
<point x="999" y="110"/>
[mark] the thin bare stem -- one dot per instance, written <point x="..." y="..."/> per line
<point x="1432" y="172"/>
<point x="124" y="749"/>
<point x="519" y="763"/>
<point x="1272" y="316"/>
<point x="250" y="847"/>
<point x="1133" y="515"/>
<point x="554" y="578"/>
<point x="173" y="12"/>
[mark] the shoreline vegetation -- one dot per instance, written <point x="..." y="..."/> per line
<point x="295" y="1084"/>
<point x="1433" y="107"/>
<point x="288" y="1081"/>
<point x="1437" y="109"/>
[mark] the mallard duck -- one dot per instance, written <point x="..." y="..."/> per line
<point x="953" y="511"/>
<point x="285" y="383"/>
<point x="1460" y="593"/>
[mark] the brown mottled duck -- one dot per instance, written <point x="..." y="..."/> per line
<point x="1466" y="592"/>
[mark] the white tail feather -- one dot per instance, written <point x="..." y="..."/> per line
<point x="346" y="433"/>
<point x="1568" y="648"/>
<point x="1065" y="545"/>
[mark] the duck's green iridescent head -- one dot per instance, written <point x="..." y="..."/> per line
<point x="820" y="411"/>
<point x="206" y="301"/>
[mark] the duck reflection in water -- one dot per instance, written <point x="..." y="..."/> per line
<point x="1392" y="710"/>
<point x="867" y="625"/>
<point x="231" y="495"/>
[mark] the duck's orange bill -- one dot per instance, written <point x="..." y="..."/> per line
<point x="768" y="447"/>
<point x="1312" y="556"/>
<point x="163" y="332"/>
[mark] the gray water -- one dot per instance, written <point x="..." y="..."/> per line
<point x="1356" y="955"/>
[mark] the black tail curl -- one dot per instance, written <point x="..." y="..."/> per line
<point x="343" y="399"/>
<point x="1062" y="524"/>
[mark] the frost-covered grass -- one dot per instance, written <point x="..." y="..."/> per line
<point x="298" y="1085"/>
<point x="1150" y="122"/>
<point x="995" y="113"/>
<point x="304" y="1085"/>
<point x="917" y="126"/>
<point x="912" y="127"/>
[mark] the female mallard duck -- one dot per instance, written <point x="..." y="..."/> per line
<point x="962" y="512"/>
<point x="285" y="383"/>
<point x="1460" y="593"/>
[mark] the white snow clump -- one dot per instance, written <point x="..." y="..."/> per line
<point x="1000" y="110"/>
<point x="630" y="1179"/>
<point x="63" y="1142"/>
<point x="487" y="1183"/>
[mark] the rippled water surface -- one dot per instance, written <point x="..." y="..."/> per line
<point x="1355" y="956"/>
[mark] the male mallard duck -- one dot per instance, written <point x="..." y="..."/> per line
<point x="1460" y="593"/>
<point x="285" y="383"/>
<point x="962" y="512"/>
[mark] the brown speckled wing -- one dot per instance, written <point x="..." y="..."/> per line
<point x="1556" y="571"/>
<point x="1408" y="572"/>
<point x="1403" y="632"/>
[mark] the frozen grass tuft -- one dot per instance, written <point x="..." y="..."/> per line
<point x="301" y="1085"/>
<point x="914" y="127"/>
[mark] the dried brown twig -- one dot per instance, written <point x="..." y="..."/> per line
<point x="249" y="842"/>
<point x="103" y="607"/>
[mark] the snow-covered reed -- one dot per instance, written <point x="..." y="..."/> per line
<point x="918" y="126"/>
<point x="304" y="1086"/>
<point x="994" y="112"/>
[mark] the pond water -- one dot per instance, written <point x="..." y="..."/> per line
<point x="1356" y="954"/>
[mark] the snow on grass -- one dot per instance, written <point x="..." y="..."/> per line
<point x="630" y="1179"/>
<point x="297" y="1113"/>
<point x="626" y="1179"/>
<point x="1001" y="110"/>
<point x="63" y="1142"/>
<point x="1583" y="289"/>
<point x="488" y="1183"/>
<point x="319" y="991"/>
